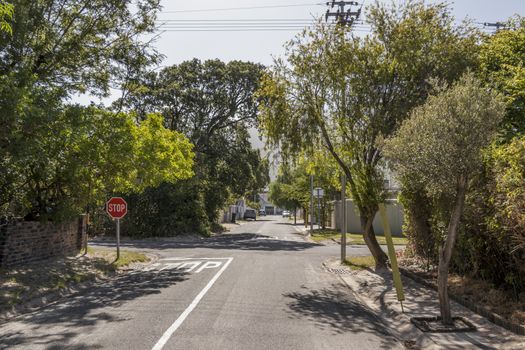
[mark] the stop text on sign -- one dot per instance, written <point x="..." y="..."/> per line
<point x="117" y="207"/>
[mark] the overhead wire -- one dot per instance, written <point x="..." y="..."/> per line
<point x="244" y="8"/>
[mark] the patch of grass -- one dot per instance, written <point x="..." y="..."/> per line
<point x="20" y="284"/>
<point x="352" y="238"/>
<point x="110" y="255"/>
<point x="360" y="262"/>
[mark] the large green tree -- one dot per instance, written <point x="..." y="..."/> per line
<point x="441" y="144"/>
<point x="345" y="94"/>
<point x="84" y="154"/>
<point x="212" y="103"/>
<point x="502" y="66"/>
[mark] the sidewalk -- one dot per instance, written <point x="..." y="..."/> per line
<point x="376" y="291"/>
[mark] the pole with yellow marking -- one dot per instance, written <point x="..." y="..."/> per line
<point x="392" y="255"/>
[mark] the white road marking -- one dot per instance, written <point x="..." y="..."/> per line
<point x="169" y="332"/>
<point x="189" y="266"/>
<point x="209" y="265"/>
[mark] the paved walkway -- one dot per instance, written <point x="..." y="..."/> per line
<point x="377" y="292"/>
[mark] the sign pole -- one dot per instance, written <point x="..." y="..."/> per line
<point x="343" y="217"/>
<point x="318" y="210"/>
<point x="392" y="255"/>
<point x="311" y="204"/>
<point x="117" y="208"/>
<point x="118" y="239"/>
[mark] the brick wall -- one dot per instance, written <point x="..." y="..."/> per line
<point x="22" y="242"/>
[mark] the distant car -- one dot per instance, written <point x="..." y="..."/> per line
<point x="250" y="214"/>
<point x="262" y="212"/>
<point x="286" y="214"/>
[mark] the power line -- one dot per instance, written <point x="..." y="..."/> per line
<point x="242" y="8"/>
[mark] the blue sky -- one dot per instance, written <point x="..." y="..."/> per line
<point x="259" y="46"/>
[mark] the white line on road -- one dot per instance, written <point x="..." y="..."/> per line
<point x="166" y="336"/>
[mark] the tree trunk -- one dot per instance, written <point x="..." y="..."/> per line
<point x="295" y="216"/>
<point x="305" y="217"/>
<point x="445" y="253"/>
<point x="369" y="236"/>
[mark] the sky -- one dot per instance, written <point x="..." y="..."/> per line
<point x="260" y="46"/>
<point x="190" y="29"/>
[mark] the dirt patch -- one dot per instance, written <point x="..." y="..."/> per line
<point x="30" y="286"/>
<point x="501" y="302"/>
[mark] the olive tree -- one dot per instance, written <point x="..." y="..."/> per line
<point x="441" y="145"/>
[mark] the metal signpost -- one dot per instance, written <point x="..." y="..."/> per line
<point x="318" y="193"/>
<point x="311" y="204"/>
<point x="343" y="216"/>
<point x="392" y="255"/>
<point x="117" y="208"/>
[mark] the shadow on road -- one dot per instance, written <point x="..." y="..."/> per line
<point x="84" y="310"/>
<point x="334" y="309"/>
<point x="236" y="241"/>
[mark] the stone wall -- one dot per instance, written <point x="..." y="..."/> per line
<point x="22" y="242"/>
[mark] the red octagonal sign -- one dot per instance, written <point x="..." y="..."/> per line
<point x="117" y="207"/>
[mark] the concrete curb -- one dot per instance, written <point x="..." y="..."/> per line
<point x="407" y="334"/>
<point x="480" y="310"/>
<point x="72" y="289"/>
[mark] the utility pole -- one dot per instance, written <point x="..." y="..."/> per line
<point x="343" y="217"/>
<point x="311" y="204"/>
<point x="343" y="16"/>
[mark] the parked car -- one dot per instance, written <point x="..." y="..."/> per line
<point x="262" y="212"/>
<point x="250" y="214"/>
<point x="286" y="214"/>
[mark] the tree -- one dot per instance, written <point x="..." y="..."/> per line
<point x="345" y="94"/>
<point x="502" y="66"/>
<point x="212" y="104"/>
<point x="441" y="145"/>
<point x="85" y="154"/>
<point x="6" y="15"/>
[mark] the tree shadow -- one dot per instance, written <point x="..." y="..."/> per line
<point x="335" y="310"/>
<point x="85" y="309"/>
<point x="230" y="241"/>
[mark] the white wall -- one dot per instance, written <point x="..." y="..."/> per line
<point x="394" y="212"/>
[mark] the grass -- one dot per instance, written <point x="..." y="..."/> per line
<point x="352" y="238"/>
<point x="110" y="255"/>
<point x="23" y="283"/>
<point x="360" y="262"/>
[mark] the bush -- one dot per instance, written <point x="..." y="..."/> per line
<point x="167" y="210"/>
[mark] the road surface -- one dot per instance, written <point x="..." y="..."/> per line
<point x="260" y="286"/>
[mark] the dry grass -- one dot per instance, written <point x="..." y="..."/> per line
<point x="498" y="301"/>
<point x="360" y="262"/>
<point x="21" y="284"/>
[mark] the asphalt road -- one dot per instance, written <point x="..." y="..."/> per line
<point x="259" y="287"/>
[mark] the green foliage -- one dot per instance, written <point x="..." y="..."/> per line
<point x="212" y="104"/>
<point x="345" y="93"/>
<point x="291" y="189"/>
<point x="6" y="15"/>
<point x="166" y="210"/>
<point x="78" y="46"/>
<point x="442" y="140"/>
<point x="502" y="66"/>
<point x="492" y="246"/>
<point x="77" y="156"/>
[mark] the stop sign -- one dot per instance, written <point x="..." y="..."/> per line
<point x="117" y="207"/>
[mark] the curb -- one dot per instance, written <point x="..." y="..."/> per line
<point x="420" y="341"/>
<point x="480" y="310"/>
<point x="53" y="297"/>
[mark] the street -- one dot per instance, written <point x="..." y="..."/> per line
<point x="260" y="286"/>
